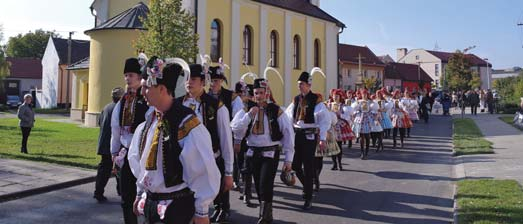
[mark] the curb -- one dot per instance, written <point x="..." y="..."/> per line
<point x="459" y="174"/>
<point x="45" y="189"/>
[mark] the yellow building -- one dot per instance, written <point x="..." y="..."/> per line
<point x="296" y="34"/>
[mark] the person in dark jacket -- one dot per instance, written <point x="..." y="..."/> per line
<point x="424" y="107"/>
<point x="27" y="119"/>
<point x="104" y="146"/>
<point x="474" y="102"/>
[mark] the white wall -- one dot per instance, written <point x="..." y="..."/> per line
<point x="426" y="61"/>
<point x="50" y="71"/>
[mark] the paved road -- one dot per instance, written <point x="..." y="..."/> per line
<point x="412" y="185"/>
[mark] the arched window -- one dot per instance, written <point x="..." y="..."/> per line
<point x="296" y="52"/>
<point x="317" y="53"/>
<point x="216" y="40"/>
<point x="274" y="48"/>
<point x="247" y="45"/>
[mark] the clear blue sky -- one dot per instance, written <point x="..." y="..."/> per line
<point x="383" y="25"/>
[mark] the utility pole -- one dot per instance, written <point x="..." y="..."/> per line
<point x="69" y="43"/>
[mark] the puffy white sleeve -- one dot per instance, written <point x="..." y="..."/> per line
<point x="322" y="118"/>
<point x="134" y="155"/>
<point x="225" y="135"/>
<point x="287" y="141"/>
<point x="334" y="118"/>
<point x="240" y="124"/>
<point x="290" y="112"/>
<point x="237" y="105"/>
<point x="388" y="105"/>
<point x="199" y="168"/>
<point x="115" y="129"/>
<point x="347" y="112"/>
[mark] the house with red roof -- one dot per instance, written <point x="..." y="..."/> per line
<point x="25" y="76"/>
<point x="435" y="62"/>
<point x="356" y="64"/>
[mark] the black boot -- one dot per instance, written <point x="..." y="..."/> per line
<point x="247" y="192"/>
<point x="394" y="143"/>
<point x="265" y="213"/>
<point x="223" y="217"/>
<point x="334" y="163"/>
<point x="215" y="214"/>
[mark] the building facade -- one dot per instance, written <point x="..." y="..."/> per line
<point x="296" y="34"/>
<point x="435" y="62"/>
<point x="25" y="76"/>
<point x="56" y="81"/>
<point x="358" y="63"/>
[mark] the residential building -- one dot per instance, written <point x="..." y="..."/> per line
<point x="407" y="76"/>
<point x="386" y="59"/>
<point x="56" y="80"/>
<point x="435" y="62"/>
<point x="358" y="63"/>
<point x="505" y="73"/>
<point x="298" y="35"/>
<point x="25" y="76"/>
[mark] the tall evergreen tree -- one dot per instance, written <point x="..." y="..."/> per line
<point x="170" y="31"/>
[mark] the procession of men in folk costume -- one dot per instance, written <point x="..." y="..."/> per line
<point x="176" y="156"/>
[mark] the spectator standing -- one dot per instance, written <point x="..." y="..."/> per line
<point x="104" y="146"/>
<point x="27" y="119"/>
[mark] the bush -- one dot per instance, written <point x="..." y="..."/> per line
<point x="509" y="108"/>
<point x="3" y="107"/>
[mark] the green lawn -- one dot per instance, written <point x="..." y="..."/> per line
<point x="509" y="120"/>
<point x="489" y="201"/>
<point x="468" y="139"/>
<point x="53" y="142"/>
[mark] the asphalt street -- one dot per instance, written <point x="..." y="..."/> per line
<point x="409" y="185"/>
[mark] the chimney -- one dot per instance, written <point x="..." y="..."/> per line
<point x="400" y="52"/>
<point x="315" y="2"/>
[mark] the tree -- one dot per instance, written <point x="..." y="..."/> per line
<point x="4" y="68"/>
<point x="170" y="31"/>
<point x="458" y="73"/>
<point x="30" y="44"/>
<point x="371" y="83"/>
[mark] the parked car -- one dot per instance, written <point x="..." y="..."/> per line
<point x="13" y="101"/>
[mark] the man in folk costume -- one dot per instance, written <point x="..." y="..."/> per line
<point x="215" y="116"/>
<point x="311" y="120"/>
<point x="228" y="98"/>
<point x="245" y="94"/>
<point x="266" y="128"/>
<point x="128" y="113"/>
<point x="177" y="177"/>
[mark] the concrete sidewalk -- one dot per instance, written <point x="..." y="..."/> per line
<point x="506" y="163"/>
<point x="21" y="178"/>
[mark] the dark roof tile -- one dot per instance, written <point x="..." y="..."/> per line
<point x="405" y="72"/>
<point x="303" y="7"/>
<point x="79" y="49"/>
<point x="128" y="19"/>
<point x="473" y="59"/>
<point x="29" y="68"/>
<point x="350" y="53"/>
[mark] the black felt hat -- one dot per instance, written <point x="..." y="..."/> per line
<point x="305" y="77"/>
<point x="197" y="71"/>
<point x="260" y="83"/>
<point x="132" y="65"/>
<point x="239" y="87"/>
